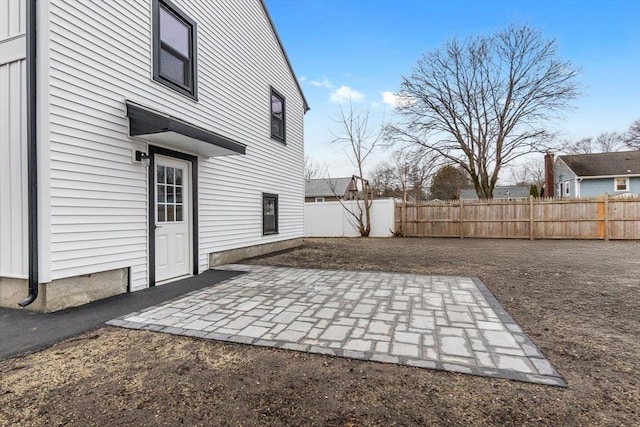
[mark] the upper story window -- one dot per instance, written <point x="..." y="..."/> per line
<point x="174" y="48"/>
<point x="277" y="116"/>
<point x="622" y="184"/>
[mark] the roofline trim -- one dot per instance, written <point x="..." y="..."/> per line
<point x="286" y="57"/>
<point x="634" y="175"/>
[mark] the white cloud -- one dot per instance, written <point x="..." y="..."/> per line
<point x="322" y="83"/>
<point x="345" y="93"/>
<point x="303" y="78"/>
<point x="396" y="101"/>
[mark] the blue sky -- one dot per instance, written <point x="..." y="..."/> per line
<point x="363" y="47"/>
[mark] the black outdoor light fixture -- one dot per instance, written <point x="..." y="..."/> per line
<point x="140" y="156"/>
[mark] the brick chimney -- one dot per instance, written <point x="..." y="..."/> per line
<point x="549" y="185"/>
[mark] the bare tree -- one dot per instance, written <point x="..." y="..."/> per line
<point x="423" y="163"/>
<point x="606" y="142"/>
<point x="402" y="164"/>
<point x="384" y="180"/>
<point x="360" y="137"/>
<point x="519" y="175"/>
<point x="527" y="173"/>
<point x="535" y="172"/>
<point x="483" y="103"/>
<point x="631" y="138"/>
<point x="312" y="169"/>
<point x="609" y="142"/>
<point x="581" y="146"/>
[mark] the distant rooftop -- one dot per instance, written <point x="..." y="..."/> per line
<point x="326" y="187"/>
<point x="499" y="192"/>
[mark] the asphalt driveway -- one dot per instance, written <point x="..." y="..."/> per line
<point x="23" y="331"/>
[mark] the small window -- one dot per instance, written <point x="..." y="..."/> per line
<point x="174" y="48"/>
<point x="567" y="188"/>
<point x="319" y="199"/>
<point x="277" y="116"/>
<point x="622" y="184"/>
<point x="269" y="214"/>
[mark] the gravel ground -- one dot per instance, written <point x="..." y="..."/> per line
<point x="577" y="300"/>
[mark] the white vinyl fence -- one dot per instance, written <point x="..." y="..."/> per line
<point x="330" y="219"/>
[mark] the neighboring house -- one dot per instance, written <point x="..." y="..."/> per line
<point x="499" y="192"/>
<point x="141" y="141"/>
<point x="588" y="175"/>
<point x="330" y="189"/>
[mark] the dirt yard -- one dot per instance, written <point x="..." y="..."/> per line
<point x="578" y="301"/>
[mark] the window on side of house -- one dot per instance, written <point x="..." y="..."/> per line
<point x="174" y="48"/>
<point x="319" y="199"/>
<point x="277" y="116"/>
<point x="567" y="188"/>
<point x="269" y="213"/>
<point x="622" y="184"/>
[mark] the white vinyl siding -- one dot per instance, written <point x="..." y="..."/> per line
<point x="13" y="18"/>
<point x="101" y="54"/>
<point x="13" y="170"/>
<point x="13" y="140"/>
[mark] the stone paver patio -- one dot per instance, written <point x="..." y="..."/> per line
<point x="437" y="322"/>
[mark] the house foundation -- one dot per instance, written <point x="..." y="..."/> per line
<point x="234" y="255"/>
<point x="65" y="293"/>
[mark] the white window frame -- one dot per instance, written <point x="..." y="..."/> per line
<point x="615" y="184"/>
<point x="567" y="188"/>
<point x="319" y="199"/>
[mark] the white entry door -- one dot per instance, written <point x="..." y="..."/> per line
<point x="173" y="218"/>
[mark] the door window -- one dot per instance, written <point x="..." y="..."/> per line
<point x="169" y="194"/>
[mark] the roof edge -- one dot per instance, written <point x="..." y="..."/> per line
<point x="286" y="57"/>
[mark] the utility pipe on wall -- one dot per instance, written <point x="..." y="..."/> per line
<point x="32" y="156"/>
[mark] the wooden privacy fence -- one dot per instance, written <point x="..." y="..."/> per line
<point x="595" y="218"/>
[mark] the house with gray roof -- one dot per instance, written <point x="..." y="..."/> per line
<point x="499" y="192"/>
<point x="590" y="175"/>
<point x="330" y="189"/>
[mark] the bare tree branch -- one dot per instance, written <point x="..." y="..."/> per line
<point x="631" y="138"/>
<point x="483" y="103"/>
<point x="356" y="132"/>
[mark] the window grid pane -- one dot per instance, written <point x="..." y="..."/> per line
<point x="174" y="32"/>
<point x="173" y="68"/>
<point x="277" y="116"/>
<point x="170" y="196"/>
<point x="270" y="214"/>
<point x="160" y="171"/>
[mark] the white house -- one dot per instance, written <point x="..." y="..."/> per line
<point x="141" y="141"/>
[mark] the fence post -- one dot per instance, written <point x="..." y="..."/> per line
<point x="461" y="219"/>
<point x="530" y="217"/>
<point x="606" y="218"/>
<point x="403" y="220"/>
